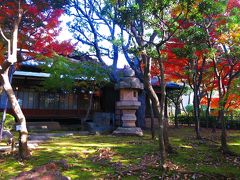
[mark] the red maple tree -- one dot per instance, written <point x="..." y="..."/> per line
<point x="33" y="26"/>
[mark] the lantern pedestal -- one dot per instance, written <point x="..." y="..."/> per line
<point x="128" y="104"/>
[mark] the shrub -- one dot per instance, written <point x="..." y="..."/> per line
<point x="183" y="119"/>
<point x="212" y="121"/>
<point x="9" y="121"/>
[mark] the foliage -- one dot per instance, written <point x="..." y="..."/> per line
<point x="188" y="120"/>
<point x="67" y="75"/>
<point x="196" y="41"/>
<point x="9" y="121"/>
<point x="38" y="26"/>
<point x="189" y="108"/>
<point x="232" y="122"/>
<point x="204" y="51"/>
<point x="236" y="113"/>
<point x="183" y="119"/>
<point x="95" y="157"/>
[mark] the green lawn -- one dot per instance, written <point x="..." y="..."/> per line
<point x="96" y="157"/>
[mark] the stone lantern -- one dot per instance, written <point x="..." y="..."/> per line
<point x="128" y="86"/>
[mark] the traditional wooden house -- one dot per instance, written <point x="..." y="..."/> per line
<point x="38" y="104"/>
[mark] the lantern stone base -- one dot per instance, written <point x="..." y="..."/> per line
<point x="128" y="131"/>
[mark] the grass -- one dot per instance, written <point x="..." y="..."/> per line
<point x="83" y="154"/>
<point x="205" y="156"/>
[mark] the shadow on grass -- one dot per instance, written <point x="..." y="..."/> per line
<point x="127" y="150"/>
<point x="205" y="156"/>
<point x="192" y="155"/>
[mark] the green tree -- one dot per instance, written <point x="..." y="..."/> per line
<point x="67" y="74"/>
<point x="211" y="43"/>
<point x="226" y="60"/>
<point x="175" y="97"/>
<point x="149" y="25"/>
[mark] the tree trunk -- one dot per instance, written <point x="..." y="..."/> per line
<point x="163" y="107"/>
<point x="11" y="59"/>
<point x="89" y="107"/>
<point x="189" y="98"/>
<point x="152" y="119"/>
<point x="168" y="146"/>
<point x="223" y="96"/>
<point x="23" y="133"/>
<point x="207" y="114"/>
<point x="223" y="133"/>
<point x="209" y="98"/>
<point x="5" y="104"/>
<point x="156" y="107"/>
<point x="141" y="110"/>
<point x="222" y="103"/>
<point x="176" y="115"/>
<point x="183" y="108"/>
<point x="3" y="118"/>
<point x="196" y="113"/>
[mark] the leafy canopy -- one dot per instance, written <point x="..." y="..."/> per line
<point x="67" y="74"/>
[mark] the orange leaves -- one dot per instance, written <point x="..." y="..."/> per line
<point x="234" y="35"/>
<point x="176" y="10"/>
<point x="222" y="21"/>
<point x="223" y="38"/>
<point x="232" y="103"/>
<point x="230" y="37"/>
